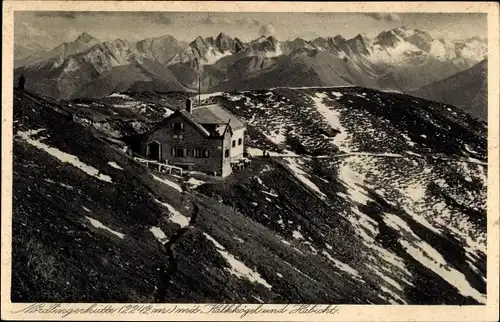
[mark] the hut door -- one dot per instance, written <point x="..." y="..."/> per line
<point x="154" y="151"/>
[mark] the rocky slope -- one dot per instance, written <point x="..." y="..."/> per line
<point x="411" y="182"/>
<point x="467" y="90"/>
<point x="161" y="49"/>
<point x="362" y="202"/>
<point x="398" y="59"/>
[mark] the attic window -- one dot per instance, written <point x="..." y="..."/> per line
<point x="178" y="126"/>
<point x="240" y="141"/>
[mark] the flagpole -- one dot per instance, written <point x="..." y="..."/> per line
<point x="199" y="80"/>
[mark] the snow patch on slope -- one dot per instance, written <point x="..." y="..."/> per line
<point x="259" y="152"/>
<point x="97" y="224"/>
<point x="411" y="194"/>
<point x="159" y="234"/>
<point x="276" y="53"/>
<point x="278" y="137"/>
<point x="119" y="95"/>
<point x="214" y="55"/>
<point x="295" y="165"/>
<point x="195" y="182"/>
<point x="176" y="216"/>
<point x="432" y="259"/>
<point x="343" y="266"/>
<point x="63" y="156"/>
<point x="114" y="165"/>
<point x="168" y="183"/>
<point x="238" y="268"/>
<point x="397" y="54"/>
<point x="332" y="117"/>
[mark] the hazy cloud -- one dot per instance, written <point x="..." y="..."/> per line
<point x="267" y="30"/>
<point x="383" y="16"/>
<point x="50" y="28"/>
<point x="254" y="25"/>
<point x="25" y="32"/>
<point x="248" y="22"/>
<point x="55" y="14"/>
<point x="153" y="17"/>
<point x="26" y="29"/>
<point x="212" y="20"/>
<point x="157" y="17"/>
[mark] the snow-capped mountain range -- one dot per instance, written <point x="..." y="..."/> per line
<point x="399" y="59"/>
<point x="58" y="54"/>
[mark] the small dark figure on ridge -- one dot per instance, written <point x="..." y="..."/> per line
<point x="22" y="80"/>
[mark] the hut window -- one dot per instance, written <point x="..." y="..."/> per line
<point x="234" y="143"/>
<point x="200" y="153"/>
<point x="179" y="152"/>
<point x="240" y="141"/>
<point x="226" y="153"/>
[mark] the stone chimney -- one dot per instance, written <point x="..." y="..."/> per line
<point x="189" y="105"/>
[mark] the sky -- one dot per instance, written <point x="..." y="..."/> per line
<point x="50" y="28"/>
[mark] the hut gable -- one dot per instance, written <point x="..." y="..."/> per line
<point x="201" y="138"/>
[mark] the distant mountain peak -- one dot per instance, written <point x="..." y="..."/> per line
<point x="222" y="35"/>
<point x="362" y="38"/>
<point x="358" y="44"/>
<point x="339" y="39"/>
<point x="476" y="38"/>
<point x="388" y="38"/>
<point x="199" y="39"/>
<point x="117" y="42"/>
<point x="273" y="39"/>
<point x="85" y="38"/>
<point x="265" y="44"/>
<point x="166" y="37"/>
<point x="198" y="44"/>
<point x="223" y="42"/>
<point x="260" y="39"/>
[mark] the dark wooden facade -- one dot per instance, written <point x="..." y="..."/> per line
<point x="182" y="141"/>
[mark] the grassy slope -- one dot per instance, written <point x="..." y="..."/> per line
<point x="59" y="256"/>
<point x="69" y="260"/>
<point x="257" y="228"/>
